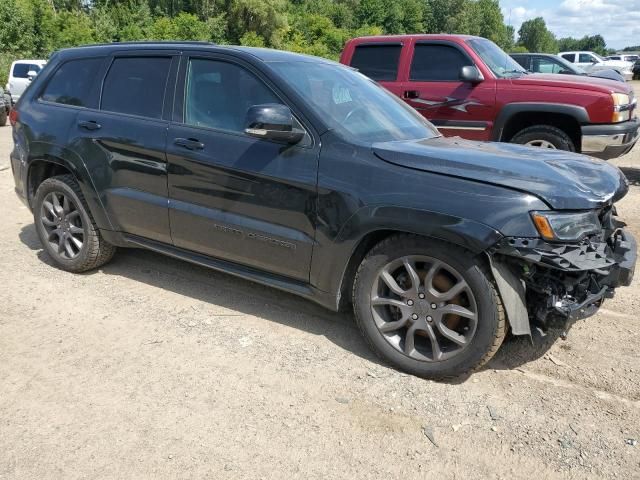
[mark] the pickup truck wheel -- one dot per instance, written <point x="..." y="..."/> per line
<point x="3" y="117"/>
<point x="66" y="228"/>
<point x="427" y="308"/>
<point x="544" y="136"/>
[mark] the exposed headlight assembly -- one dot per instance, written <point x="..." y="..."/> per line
<point x="622" y="106"/>
<point x="566" y="226"/>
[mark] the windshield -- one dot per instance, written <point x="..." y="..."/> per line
<point x="352" y="104"/>
<point x="501" y="64"/>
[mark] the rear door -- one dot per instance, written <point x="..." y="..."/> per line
<point x="434" y="89"/>
<point x="123" y="143"/>
<point x="232" y="196"/>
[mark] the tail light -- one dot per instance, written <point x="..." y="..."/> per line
<point x="13" y="117"/>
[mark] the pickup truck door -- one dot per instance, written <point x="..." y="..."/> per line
<point x="232" y="196"/>
<point x="587" y="61"/>
<point x="432" y="87"/>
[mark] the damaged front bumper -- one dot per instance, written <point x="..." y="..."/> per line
<point x="561" y="282"/>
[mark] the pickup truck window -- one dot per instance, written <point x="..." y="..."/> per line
<point x="353" y="105"/>
<point x="501" y="64"/>
<point x="437" y="63"/>
<point x="378" y="62"/>
<point x="571" y="57"/>
<point x="586" y="58"/>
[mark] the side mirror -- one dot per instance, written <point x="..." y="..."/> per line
<point x="272" y="121"/>
<point x="470" y="74"/>
<point x="31" y="74"/>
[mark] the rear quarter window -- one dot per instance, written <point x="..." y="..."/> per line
<point x="136" y="85"/>
<point x="378" y="62"/>
<point x="72" y="83"/>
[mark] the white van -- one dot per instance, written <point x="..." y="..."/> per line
<point x="21" y="74"/>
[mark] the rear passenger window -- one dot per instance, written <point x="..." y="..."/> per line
<point x="437" y="63"/>
<point x="136" y="85"/>
<point x="378" y="62"/>
<point x="71" y="83"/>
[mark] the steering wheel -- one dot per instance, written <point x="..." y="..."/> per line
<point x="352" y="112"/>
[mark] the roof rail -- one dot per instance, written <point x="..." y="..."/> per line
<point x="149" y="42"/>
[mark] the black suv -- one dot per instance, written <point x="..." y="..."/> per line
<point x="303" y="174"/>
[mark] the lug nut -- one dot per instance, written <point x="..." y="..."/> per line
<point x="409" y="302"/>
<point x="434" y="306"/>
<point x="421" y="295"/>
<point x="429" y="318"/>
<point x="414" y="316"/>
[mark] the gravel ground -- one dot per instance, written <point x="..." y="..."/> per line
<point x="154" y="368"/>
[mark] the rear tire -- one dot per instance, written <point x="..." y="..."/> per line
<point x="544" y="136"/>
<point x="410" y="324"/>
<point x="66" y="228"/>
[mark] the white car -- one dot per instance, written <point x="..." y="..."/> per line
<point x="592" y="62"/>
<point x="624" y="57"/>
<point x="20" y="75"/>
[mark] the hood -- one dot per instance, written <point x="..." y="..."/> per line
<point x="616" y="64"/>
<point x="563" y="180"/>
<point x="581" y="82"/>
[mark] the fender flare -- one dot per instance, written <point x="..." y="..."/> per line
<point x="64" y="157"/>
<point x="507" y="112"/>
<point x="330" y="266"/>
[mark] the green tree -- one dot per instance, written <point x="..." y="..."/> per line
<point x="16" y="34"/>
<point x="73" y="28"/>
<point x="535" y="37"/>
<point x="263" y="17"/>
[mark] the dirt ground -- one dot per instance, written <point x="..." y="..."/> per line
<point x="154" y="368"/>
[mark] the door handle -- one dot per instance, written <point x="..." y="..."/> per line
<point x="411" y="94"/>
<point x="189" y="143"/>
<point x="89" y="125"/>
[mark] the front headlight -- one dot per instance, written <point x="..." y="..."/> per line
<point x="566" y="226"/>
<point x="622" y="106"/>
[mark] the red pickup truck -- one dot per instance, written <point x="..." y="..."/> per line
<point x="468" y="86"/>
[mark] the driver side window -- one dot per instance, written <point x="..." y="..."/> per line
<point x="586" y="58"/>
<point x="218" y="94"/>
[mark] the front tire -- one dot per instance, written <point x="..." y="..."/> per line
<point x="544" y="136"/>
<point x="66" y="228"/>
<point x="427" y="308"/>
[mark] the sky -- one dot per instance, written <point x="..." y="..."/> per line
<point x="618" y="21"/>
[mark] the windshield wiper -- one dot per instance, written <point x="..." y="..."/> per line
<point x="514" y="71"/>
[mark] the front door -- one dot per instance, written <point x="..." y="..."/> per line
<point x="435" y="90"/>
<point x="232" y="196"/>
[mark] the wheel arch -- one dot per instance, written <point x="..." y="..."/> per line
<point x="47" y="165"/>
<point x="517" y="116"/>
<point x="334" y="269"/>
